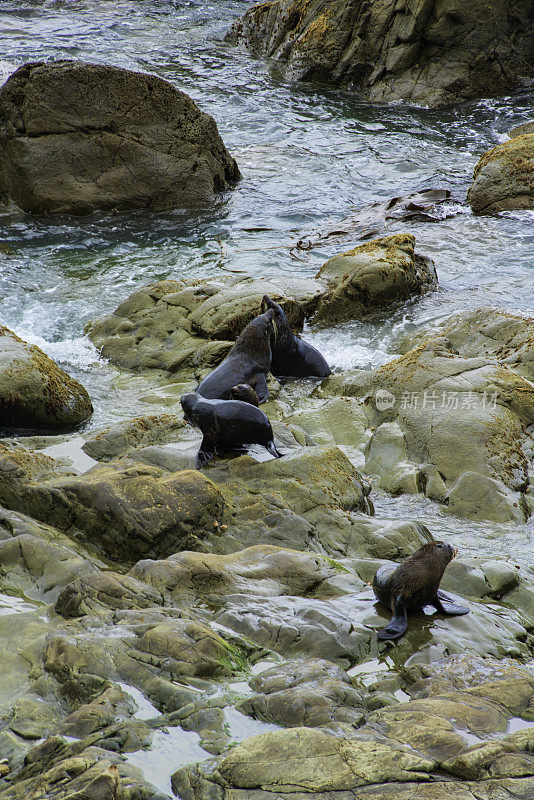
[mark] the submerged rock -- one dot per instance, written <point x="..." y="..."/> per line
<point x="34" y="391"/>
<point x="186" y="328"/>
<point x="427" y="53"/>
<point x="504" y="177"/>
<point x="76" y="137"/>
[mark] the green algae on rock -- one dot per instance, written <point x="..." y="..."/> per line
<point x="504" y="177"/>
<point x="34" y="391"/>
<point x="127" y="513"/>
<point x="373" y="276"/>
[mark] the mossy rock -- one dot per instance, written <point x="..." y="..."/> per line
<point x="504" y="177"/>
<point x="34" y="391"/>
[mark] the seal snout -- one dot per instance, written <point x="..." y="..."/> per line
<point x="266" y="303"/>
<point x="188" y="402"/>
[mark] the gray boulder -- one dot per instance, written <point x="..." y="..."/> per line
<point x="34" y="391"/>
<point x="77" y="137"/>
<point x="430" y="53"/>
<point x="504" y="177"/>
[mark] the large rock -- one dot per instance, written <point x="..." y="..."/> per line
<point x="454" y="427"/>
<point x="185" y="328"/>
<point x="493" y="333"/>
<point x="372" y="276"/>
<point x="426" y="52"/>
<point x="504" y="177"/>
<point x="76" y="137"/>
<point x="128" y="513"/>
<point x="34" y="391"/>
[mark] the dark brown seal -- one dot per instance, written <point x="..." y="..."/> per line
<point x="413" y="585"/>
<point x="245" y="393"/>
<point x="227" y="425"/>
<point x="248" y="361"/>
<point x="292" y="356"/>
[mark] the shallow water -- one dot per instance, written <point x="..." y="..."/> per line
<point x="309" y="156"/>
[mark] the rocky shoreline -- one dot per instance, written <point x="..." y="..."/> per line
<point x="212" y="633"/>
<point x="152" y="575"/>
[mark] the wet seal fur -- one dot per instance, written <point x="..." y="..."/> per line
<point x="413" y="585"/>
<point x="227" y="425"/>
<point x="248" y="361"/>
<point x="245" y="393"/>
<point x="292" y="356"/>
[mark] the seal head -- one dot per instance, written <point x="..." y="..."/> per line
<point x="248" y="361"/>
<point x="415" y="584"/>
<point x="292" y="357"/>
<point x="245" y="393"/>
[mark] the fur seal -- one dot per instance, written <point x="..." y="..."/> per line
<point x="248" y="361"/>
<point x="245" y="393"/>
<point x="292" y="356"/>
<point x="226" y="425"/>
<point x="413" y="585"/>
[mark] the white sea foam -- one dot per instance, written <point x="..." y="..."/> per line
<point x="79" y="353"/>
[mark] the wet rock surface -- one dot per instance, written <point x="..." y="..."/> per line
<point x="457" y="428"/>
<point x="75" y="137"/>
<point x="187" y="329"/>
<point x="215" y="631"/>
<point x="429" y="54"/>
<point x="493" y="333"/>
<point x="504" y="177"/>
<point x="34" y="391"/>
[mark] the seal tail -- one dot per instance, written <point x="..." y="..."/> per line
<point x="270" y="447"/>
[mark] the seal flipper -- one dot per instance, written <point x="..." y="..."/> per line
<point x="398" y="623"/>
<point x="271" y="448"/>
<point x="442" y="602"/>
<point x="206" y="453"/>
<point x="259" y="384"/>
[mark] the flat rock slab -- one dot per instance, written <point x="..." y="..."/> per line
<point x="34" y="391"/>
<point x="76" y="137"/>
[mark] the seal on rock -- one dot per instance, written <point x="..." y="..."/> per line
<point x="248" y="361"/>
<point x="413" y="585"/>
<point x="245" y="393"/>
<point x="227" y="425"/>
<point x="292" y="356"/>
